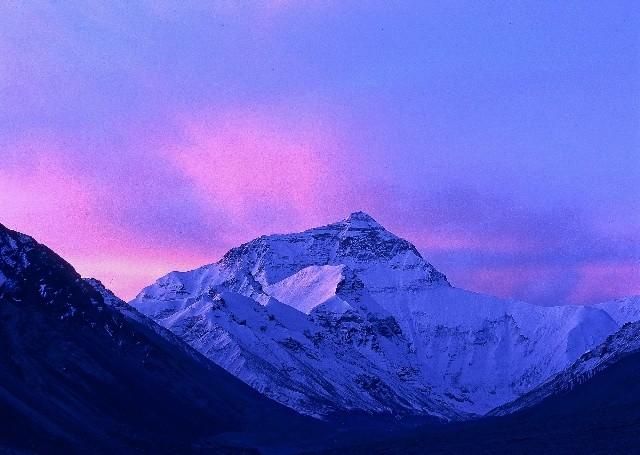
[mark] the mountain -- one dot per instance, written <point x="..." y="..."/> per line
<point x="349" y="317"/>
<point x="81" y="371"/>
<point x="626" y="309"/>
<point x="622" y="344"/>
<point x="593" y="407"/>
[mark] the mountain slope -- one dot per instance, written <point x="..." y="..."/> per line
<point x="625" y="342"/>
<point x="622" y="310"/>
<point x="593" y="407"/>
<point x="350" y="317"/>
<point x="76" y="373"/>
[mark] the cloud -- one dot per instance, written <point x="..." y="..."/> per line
<point x="38" y="190"/>
<point x="605" y="280"/>
<point x="57" y="201"/>
<point x="167" y="198"/>
<point x="548" y="255"/>
<point x="178" y="200"/>
<point x="260" y="169"/>
<point x="246" y="160"/>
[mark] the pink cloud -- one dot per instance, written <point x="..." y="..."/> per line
<point x="534" y="281"/>
<point x="437" y="240"/>
<point x="126" y="273"/>
<point x="555" y="284"/>
<point x="232" y="175"/>
<point x="43" y="195"/>
<point x="262" y="171"/>
<point x="606" y="280"/>
<point x="38" y="191"/>
<point x="248" y="173"/>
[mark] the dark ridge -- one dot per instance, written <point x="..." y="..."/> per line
<point x="76" y="375"/>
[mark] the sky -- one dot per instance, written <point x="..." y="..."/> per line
<point x="501" y="138"/>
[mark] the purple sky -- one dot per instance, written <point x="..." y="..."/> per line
<point x="502" y="139"/>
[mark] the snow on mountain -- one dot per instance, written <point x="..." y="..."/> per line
<point x="351" y="317"/>
<point x="616" y="347"/>
<point x="478" y="350"/>
<point x="593" y="407"/>
<point x="308" y="288"/>
<point x="622" y="310"/>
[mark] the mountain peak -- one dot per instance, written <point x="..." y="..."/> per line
<point x="362" y="218"/>
<point x="358" y="242"/>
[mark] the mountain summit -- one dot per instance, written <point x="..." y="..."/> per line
<point x="362" y="219"/>
<point x="350" y="317"/>
<point x="358" y="243"/>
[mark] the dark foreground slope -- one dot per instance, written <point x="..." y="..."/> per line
<point x="598" y="413"/>
<point x="78" y="375"/>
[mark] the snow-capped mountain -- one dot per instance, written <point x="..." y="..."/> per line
<point x="351" y="317"/>
<point x="83" y="372"/>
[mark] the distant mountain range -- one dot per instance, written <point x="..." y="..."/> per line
<point x="346" y="323"/>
